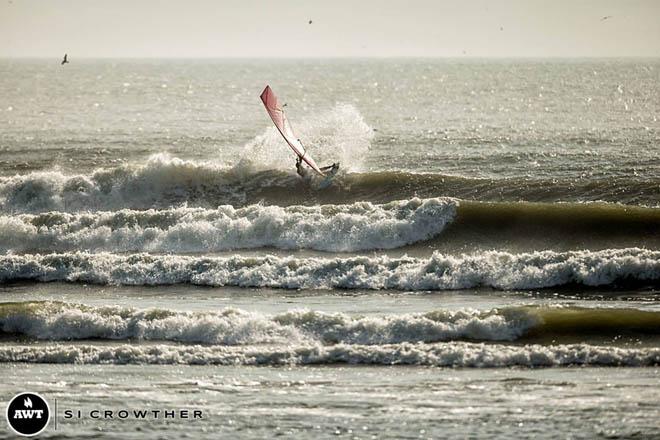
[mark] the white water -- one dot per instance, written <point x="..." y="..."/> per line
<point x="501" y="270"/>
<point x="451" y="354"/>
<point x="359" y="226"/>
<point x="63" y="321"/>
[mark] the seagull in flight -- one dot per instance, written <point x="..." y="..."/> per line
<point x="607" y="17"/>
<point x="64" y="61"/>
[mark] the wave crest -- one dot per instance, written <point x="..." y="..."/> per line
<point x="63" y="321"/>
<point x="360" y="226"/>
<point x="164" y="181"/>
<point x="501" y="270"/>
<point x="453" y="354"/>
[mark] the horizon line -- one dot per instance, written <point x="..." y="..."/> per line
<point x="334" y="57"/>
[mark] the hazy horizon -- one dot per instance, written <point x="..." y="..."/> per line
<point x="368" y="29"/>
<point x="338" y="57"/>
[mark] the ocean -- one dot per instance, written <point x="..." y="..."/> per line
<point x="486" y="264"/>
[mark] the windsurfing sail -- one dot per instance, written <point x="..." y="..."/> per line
<point x="282" y="123"/>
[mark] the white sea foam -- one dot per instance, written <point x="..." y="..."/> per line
<point x="62" y="321"/>
<point x="357" y="226"/>
<point x="501" y="270"/>
<point x="452" y="354"/>
<point x="162" y="181"/>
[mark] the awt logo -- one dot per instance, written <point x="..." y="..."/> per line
<point x="28" y="414"/>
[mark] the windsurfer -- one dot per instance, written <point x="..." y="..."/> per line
<point x="284" y="127"/>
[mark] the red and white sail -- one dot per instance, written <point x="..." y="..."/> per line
<point x="282" y="123"/>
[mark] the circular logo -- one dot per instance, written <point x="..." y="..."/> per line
<point x="28" y="414"/>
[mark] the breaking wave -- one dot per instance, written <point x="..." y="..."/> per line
<point x="352" y="227"/>
<point x="360" y="226"/>
<point x="164" y="182"/>
<point x="500" y="270"/>
<point x="161" y="182"/>
<point x="229" y="326"/>
<point x="61" y="321"/>
<point x="452" y="354"/>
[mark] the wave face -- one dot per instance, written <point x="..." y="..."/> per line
<point x="360" y="226"/>
<point x="237" y="337"/>
<point x="453" y="354"/>
<point x="164" y="182"/>
<point x="500" y="270"/>
<point x="60" y="321"/>
<point x="64" y="321"/>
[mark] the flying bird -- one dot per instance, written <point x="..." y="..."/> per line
<point x="607" y="17"/>
<point x="310" y="22"/>
<point x="64" y="61"/>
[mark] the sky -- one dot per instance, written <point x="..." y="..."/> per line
<point x="339" y="28"/>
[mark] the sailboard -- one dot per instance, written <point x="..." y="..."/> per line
<point x="284" y="127"/>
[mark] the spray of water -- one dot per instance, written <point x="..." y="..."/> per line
<point x="338" y="135"/>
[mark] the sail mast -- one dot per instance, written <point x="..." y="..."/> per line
<point x="284" y="127"/>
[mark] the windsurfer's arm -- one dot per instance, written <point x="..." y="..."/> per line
<point x="300" y="169"/>
<point x="329" y="167"/>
